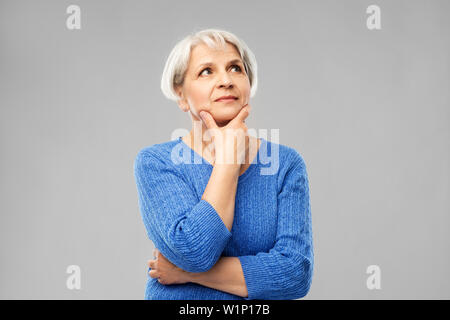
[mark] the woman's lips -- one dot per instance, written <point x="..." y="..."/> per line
<point x="226" y="100"/>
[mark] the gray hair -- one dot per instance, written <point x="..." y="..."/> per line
<point x="178" y="60"/>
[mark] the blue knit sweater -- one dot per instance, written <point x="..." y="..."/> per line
<point x="271" y="233"/>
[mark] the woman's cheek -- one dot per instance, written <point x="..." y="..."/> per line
<point x="193" y="108"/>
<point x="199" y="104"/>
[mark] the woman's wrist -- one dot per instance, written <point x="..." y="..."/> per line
<point x="227" y="170"/>
<point x="192" y="276"/>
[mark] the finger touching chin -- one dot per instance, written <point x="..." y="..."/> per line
<point x="153" y="274"/>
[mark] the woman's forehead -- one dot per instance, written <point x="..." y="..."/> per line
<point x="202" y="54"/>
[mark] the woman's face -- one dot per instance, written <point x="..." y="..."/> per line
<point x="212" y="74"/>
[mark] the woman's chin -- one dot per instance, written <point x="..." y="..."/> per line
<point x="225" y="116"/>
<point x="222" y="123"/>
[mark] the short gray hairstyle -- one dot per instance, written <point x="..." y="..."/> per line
<point x="178" y="60"/>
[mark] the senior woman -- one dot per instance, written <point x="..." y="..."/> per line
<point x="223" y="230"/>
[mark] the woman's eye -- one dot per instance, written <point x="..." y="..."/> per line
<point x="204" y="70"/>
<point x="209" y="69"/>
<point x="237" y="67"/>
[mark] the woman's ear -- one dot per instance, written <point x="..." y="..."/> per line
<point x="182" y="103"/>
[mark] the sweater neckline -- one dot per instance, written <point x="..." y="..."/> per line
<point x="247" y="172"/>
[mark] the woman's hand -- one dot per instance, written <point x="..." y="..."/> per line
<point x="225" y="149"/>
<point x="166" y="272"/>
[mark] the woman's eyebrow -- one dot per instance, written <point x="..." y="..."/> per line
<point x="211" y="64"/>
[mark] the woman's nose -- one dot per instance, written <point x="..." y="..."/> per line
<point x="225" y="80"/>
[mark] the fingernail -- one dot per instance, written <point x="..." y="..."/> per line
<point x="202" y="114"/>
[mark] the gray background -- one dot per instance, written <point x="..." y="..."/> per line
<point x="367" y="110"/>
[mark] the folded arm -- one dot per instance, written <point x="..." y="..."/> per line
<point x="285" y="272"/>
<point x="226" y="275"/>
<point x="188" y="231"/>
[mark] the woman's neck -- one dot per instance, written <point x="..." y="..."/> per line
<point x="201" y="143"/>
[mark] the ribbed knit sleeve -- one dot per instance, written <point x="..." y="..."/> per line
<point x="186" y="230"/>
<point x="285" y="272"/>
